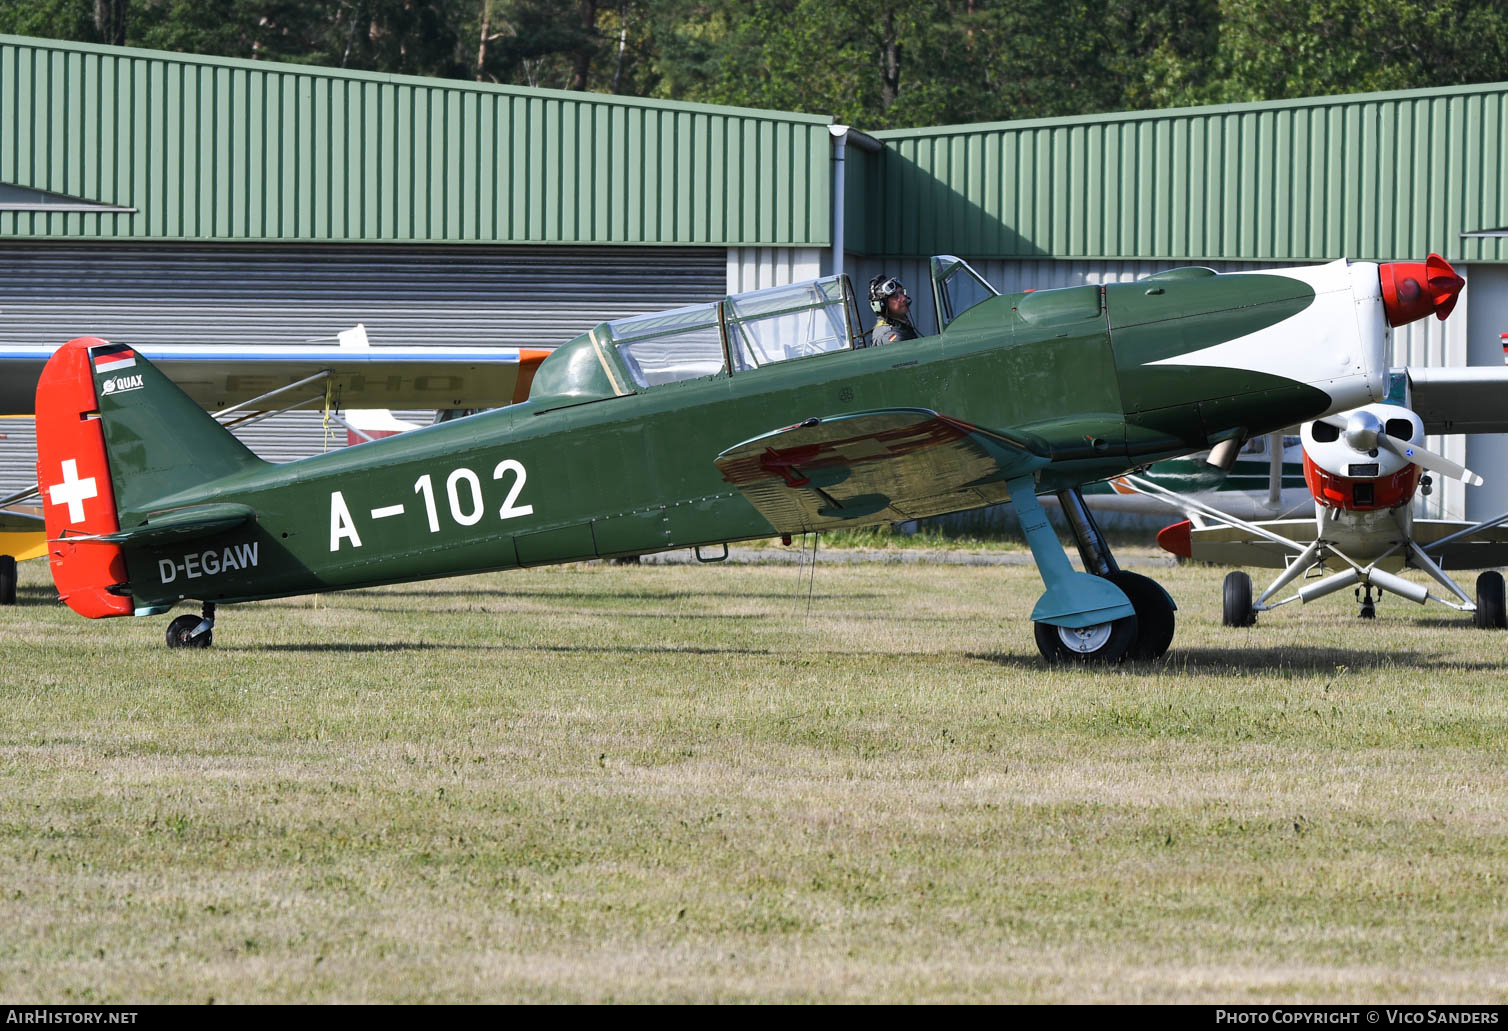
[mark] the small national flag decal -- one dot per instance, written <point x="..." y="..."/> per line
<point x="116" y="360"/>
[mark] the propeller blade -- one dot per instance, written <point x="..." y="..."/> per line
<point x="1423" y="456"/>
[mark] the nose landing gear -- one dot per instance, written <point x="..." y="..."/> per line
<point x="1368" y="606"/>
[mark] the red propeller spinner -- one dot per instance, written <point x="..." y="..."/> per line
<point x="1413" y="289"/>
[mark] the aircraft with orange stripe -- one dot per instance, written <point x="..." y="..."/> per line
<point x="1362" y="470"/>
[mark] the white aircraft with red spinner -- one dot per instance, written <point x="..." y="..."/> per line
<point x="1363" y="469"/>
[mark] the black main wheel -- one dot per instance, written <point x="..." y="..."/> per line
<point x="1491" y="614"/>
<point x="180" y="629"/>
<point x="1154" y="614"/>
<point x="1238" y="610"/>
<point x="1102" y="643"/>
<point x="7" y="579"/>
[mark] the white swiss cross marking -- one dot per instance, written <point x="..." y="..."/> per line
<point x="73" y="491"/>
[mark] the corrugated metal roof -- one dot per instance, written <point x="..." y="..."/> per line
<point x="223" y="149"/>
<point x="1370" y="176"/>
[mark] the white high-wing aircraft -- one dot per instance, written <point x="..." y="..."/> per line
<point x="1363" y="469"/>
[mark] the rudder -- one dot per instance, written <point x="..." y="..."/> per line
<point x="73" y="475"/>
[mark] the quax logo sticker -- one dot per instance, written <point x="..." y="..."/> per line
<point x="121" y="384"/>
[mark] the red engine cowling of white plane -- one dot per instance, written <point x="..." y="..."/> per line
<point x="1344" y="472"/>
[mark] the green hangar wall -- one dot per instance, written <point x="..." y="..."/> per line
<point x="1368" y="176"/>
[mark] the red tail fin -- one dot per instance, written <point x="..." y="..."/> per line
<point x="74" y="477"/>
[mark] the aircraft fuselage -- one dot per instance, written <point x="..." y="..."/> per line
<point x="1105" y="378"/>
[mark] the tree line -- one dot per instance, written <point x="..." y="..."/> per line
<point x="874" y="64"/>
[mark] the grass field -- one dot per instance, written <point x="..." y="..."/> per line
<point x="677" y="783"/>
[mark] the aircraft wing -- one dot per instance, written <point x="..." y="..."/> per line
<point x="20" y="520"/>
<point x="1485" y="548"/>
<point x="897" y="464"/>
<point x="1223" y="545"/>
<point x="366" y="377"/>
<point x="22" y="533"/>
<point x="1461" y="400"/>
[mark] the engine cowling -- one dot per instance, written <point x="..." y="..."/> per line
<point x="1346" y="470"/>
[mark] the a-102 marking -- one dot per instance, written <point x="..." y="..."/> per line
<point x="463" y="494"/>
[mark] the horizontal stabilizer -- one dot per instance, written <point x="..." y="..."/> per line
<point x="880" y="466"/>
<point x="1224" y="545"/>
<point x="198" y="521"/>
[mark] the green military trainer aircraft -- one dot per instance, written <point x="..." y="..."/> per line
<point x="755" y="416"/>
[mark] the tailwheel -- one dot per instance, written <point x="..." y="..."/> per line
<point x="7" y="579"/>
<point x="1491" y="614"/>
<point x="1237" y="609"/>
<point x="1154" y="614"/>
<point x="181" y="631"/>
<point x="193" y="631"/>
<point x="1099" y="643"/>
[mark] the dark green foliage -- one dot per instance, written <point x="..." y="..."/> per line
<point x="871" y="63"/>
<point x="1277" y="51"/>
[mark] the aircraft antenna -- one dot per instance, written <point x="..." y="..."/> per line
<point x="807" y="568"/>
<point x="811" y="579"/>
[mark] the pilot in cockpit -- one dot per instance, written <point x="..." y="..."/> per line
<point x="888" y="300"/>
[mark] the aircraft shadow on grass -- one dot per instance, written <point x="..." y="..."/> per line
<point x="342" y="647"/>
<point x="1237" y="661"/>
<point x="566" y="595"/>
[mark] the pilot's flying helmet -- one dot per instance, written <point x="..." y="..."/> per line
<point x="881" y="288"/>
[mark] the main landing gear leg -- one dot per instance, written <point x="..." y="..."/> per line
<point x="1154" y="607"/>
<point x="193" y="631"/>
<point x="1080" y="617"/>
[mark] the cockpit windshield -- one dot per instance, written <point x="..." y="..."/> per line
<point x="956" y="288"/>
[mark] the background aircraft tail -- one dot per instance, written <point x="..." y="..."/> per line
<point x="115" y="441"/>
